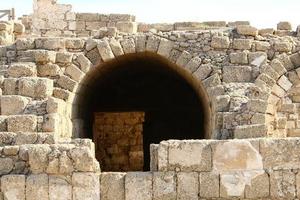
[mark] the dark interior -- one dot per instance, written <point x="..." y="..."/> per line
<point x="173" y="109"/>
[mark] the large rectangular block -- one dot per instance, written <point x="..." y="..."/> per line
<point x="209" y="185"/>
<point x="86" y="186"/>
<point x="283" y="184"/>
<point x="13" y="187"/>
<point x="138" y="185"/>
<point x="187" y="186"/>
<point x="259" y="187"/>
<point x="164" y="186"/>
<point x="189" y="155"/>
<point x="112" y="186"/>
<point x="23" y="123"/>
<point x="36" y="87"/>
<point x="13" y="105"/>
<point x="237" y="74"/>
<point x="60" y="188"/>
<point x="37" y="187"/>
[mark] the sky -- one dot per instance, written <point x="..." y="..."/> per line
<point x="261" y="13"/>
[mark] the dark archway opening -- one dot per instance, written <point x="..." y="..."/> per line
<point x="174" y="107"/>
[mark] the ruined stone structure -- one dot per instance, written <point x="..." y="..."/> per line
<point x="101" y="107"/>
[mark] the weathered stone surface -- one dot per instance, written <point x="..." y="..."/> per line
<point x="128" y="46"/>
<point x="239" y="58"/>
<point x="6" y="165"/>
<point x="83" y="159"/>
<point x="35" y="87"/>
<point x="165" y="47"/>
<point x="138" y="186"/>
<point x="105" y="50"/>
<point x="242" y="44"/>
<point x="13" y="104"/>
<point x="247" y="30"/>
<point x="184" y="58"/>
<point x="189" y="156"/>
<point x="17" y="70"/>
<point x="74" y="72"/>
<point x="85" y="186"/>
<point x="284" y="83"/>
<point x="64" y="57"/>
<point x="112" y="185"/>
<point x="23" y="123"/>
<point x="84" y="62"/>
<point x="203" y="71"/>
<point x="258" y="188"/>
<point x="250" y="131"/>
<point x="220" y="42"/>
<point x="67" y="83"/>
<point x="164" y="186"/>
<point x="152" y="43"/>
<point x="13" y="187"/>
<point x="237" y="74"/>
<point x="193" y="64"/>
<point x="49" y="70"/>
<point x="283" y="46"/>
<point x="116" y="47"/>
<point x="282" y="184"/>
<point x="60" y="188"/>
<point x="37" y="187"/>
<point x="284" y="26"/>
<point x="209" y="185"/>
<point x="187" y="185"/>
<point x="43" y="56"/>
<point x="38" y="158"/>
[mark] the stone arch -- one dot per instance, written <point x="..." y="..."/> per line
<point x="187" y="66"/>
<point x="280" y="80"/>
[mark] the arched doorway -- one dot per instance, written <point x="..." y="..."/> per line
<point x="136" y="100"/>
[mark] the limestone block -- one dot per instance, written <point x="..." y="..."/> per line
<point x="282" y="184"/>
<point x="36" y="87"/>
<point x="6" y="26"/>
<point x="67" y="83"/>
<point x="257" y="105"/>
<point x="162" y="156"/>
<point x="11" y="150"/>
<point x="266" y="31"/>
<point x="193" y="64"/>
<point x="267" y="80"/>
<point x="221" y="103"/>
<point x="203" y="71"/>
<point x="237" y="74"/>
<point x="50" y="43"/>
<point x="60" y="188"/>
<point x="96" y="25"/>
<point x="239" y="58"/>
<point x="13" y="187"/>
<point x="74" y="72"/>
<point x="87" y="16"/>
<point x="187" y="185"/>
<point x="75" y="43"/>
<point x="112" y="186"/>
<point x="257" y="58"/>
<point x="220" y="42"/>
<point x="164" y="186"/>
<point x="278" y="67"/>
<point x="19" y="28"/>
<point x="86" y="186"/>
<point x="83" y="159"/>
<point x="13" y="105"/>
<point x="105" y="50"/>
<point x="212" y="81"/>
<point x="37" y="187"/>
<point x="9" y="85"/>
<point x="262" y="46"/>
<point x="154" y="157"/>
<point x="17" y="70"/>
<point x="49" y="69"/>
<point x="242" y="44"/>
<point x="84" y="62"/>
<point x="232" y="185"/>
<point x="283" y="46"/>
<point x="152" y="43"/>
<point x="295" y="58"/>
<point x="44" y="56"/>
<point x="276" y="153"/>
<point x="189" y="156"/>
<point x="209" y="185"/>
<point x="258" y="188"/>
<point x="284" y="26"/>
<point x="64" y="57"/>
<point x="140" y="43"/>
<point x="116" y="47"/>
<point x="52" y="123"/>
<point x="250" y="131"/>
<point x="38" y="158"/>
<point x="121" y="17"/>
<point x="285" y="60"/>
<point x="138" y="185"/>
<point x="25" y="123"/>
<point x="184" y="58"/>
<point x="165" y="47"/>
<point x="6" y="165"/>
<point x="247" y="30"/>
<point x="128" y="45"/>
<point x="127" y="27"/>
<point x="55" y="105"/>
<point x="284" y="83"/>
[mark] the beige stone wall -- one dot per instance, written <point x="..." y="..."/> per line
<point x="119" y="141"/>
<point x="9" y="31"/>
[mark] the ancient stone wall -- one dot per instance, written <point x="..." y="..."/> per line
<point x="9" y="31"/>
<point x="118" y="138"/>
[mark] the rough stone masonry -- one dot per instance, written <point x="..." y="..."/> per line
<point x="250" y="77"/>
